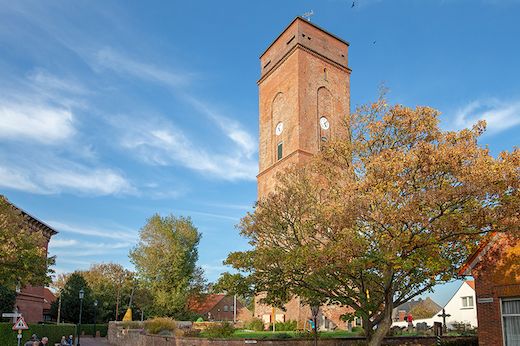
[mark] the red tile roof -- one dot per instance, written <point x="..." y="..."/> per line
<point x="205" y="304"/>
<point x="471" y="283"/>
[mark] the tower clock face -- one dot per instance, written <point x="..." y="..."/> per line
<point x="279" y="128"/>
<point x="324" y="123"/>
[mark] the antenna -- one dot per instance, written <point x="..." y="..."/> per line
<point x="307" y="15"/>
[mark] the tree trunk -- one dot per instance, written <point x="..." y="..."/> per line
<point x="375" y="337"/>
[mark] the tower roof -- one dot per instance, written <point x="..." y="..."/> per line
<point x="301" y="19"/>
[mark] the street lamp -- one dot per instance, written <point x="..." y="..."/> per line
<point x="81" y="295"/>
<point x="95" y="312"/>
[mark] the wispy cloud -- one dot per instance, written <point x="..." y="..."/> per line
<point x="63" y="176"/>
<point x="499" y="115"/>
<point x="98" y="232"/>
<point x="110" y="59"/>
<point x="233" y="129"/>
<point x="38" y="122"/>
<point x="164" y="144"/>
<point x="88" y="248"/>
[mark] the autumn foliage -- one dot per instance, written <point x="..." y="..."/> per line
<point x="380" y="216"/>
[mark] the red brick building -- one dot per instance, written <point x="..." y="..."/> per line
<point x="220" y="307"/>
<point x="304" y="99"/>
<point x="495" y="267"/>
<point x="30" y="301"/>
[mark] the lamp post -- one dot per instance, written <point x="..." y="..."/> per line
<point x="81" y="295"/>
<point x="95" y="313"/>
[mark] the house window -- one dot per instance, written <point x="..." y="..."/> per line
<point x="511" y="321"/>
<point x="467" y="302"/>
<point x="279" y="151"/>
<point x="226" y="308"/>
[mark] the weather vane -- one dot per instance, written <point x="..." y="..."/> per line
<point x="307" y="15"/>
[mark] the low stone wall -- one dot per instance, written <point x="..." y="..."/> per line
<point x="119" y="336"/>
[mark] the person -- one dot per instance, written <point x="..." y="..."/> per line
<point x="409" y="319"/>
<point x="32" y="340"/>
<point x="71" y="340"/>
<point x="64" y="341"/>
<point x="35" y="343"/>
<point x="45" y="341"/>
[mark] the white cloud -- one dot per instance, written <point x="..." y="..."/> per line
<point x="61" y="243"/>
<point x="233" y="129"/>
<point x="165" y="145"/>
<point x="38" y="122"/>
<point x="109" y="58"/>
<point x="17" y="180"/>
<point x="89" y="248"/>
<point x="45" y="82"/>
<point x="58" y="176"/>
<point x="88" y="181"/>
<point x="499" y="115"/>
<point x="121" y="234"/>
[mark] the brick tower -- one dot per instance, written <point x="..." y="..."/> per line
<point x="304" y="92"/>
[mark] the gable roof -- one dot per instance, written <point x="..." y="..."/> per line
<point x="471" y="283"/>
<point x="484" y="247"/>
<point x="205" y="304"/>
<point x="427" y="303"/>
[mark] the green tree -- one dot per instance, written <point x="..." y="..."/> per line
<point x="111" y="286"/>
<point x="23" y="256"/>
<point x="165" y="259"/>
<point x="70" y="302"/>
<point x="7" y="299"/>
<point x="388" y="209"/>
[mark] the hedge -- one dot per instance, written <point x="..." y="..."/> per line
<point x="52" y="331"/>
<point x="88" y="329"/>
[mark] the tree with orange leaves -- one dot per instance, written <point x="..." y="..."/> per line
<point x="380" y="216"/>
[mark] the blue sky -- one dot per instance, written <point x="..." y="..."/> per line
<point x="113" y="111"/>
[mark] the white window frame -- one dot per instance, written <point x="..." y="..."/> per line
<point x="508" y="315"/>
<point x="466" y="300"/>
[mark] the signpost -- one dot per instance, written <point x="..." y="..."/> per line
<point x="13" y="315"/>
<point x="19" y="326"/>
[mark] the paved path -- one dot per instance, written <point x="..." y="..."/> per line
<point x="86" y="341"/>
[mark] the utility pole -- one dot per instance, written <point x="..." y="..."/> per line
<point x="59" y="309"/>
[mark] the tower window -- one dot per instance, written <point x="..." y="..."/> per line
<point x="279" y="151"/>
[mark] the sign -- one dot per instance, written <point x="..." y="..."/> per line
<point x="485" y="300"/>
<point x="11" y="314"/>
<point x="20" y="324"/>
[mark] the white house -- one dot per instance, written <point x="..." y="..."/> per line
<point x="462" y="308"/>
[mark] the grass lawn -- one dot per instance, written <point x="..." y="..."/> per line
<point x="246" y="334"/>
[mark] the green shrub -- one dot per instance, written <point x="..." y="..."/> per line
<point x="200" y="319"/>
<point x="160" y="325"/>
<point x="471" y="342"/>
<point x="287" y="326"/>
<point x="220" y="330"/>
<point x="53" y="331"/>
<point x="88" y="329"/>
<point x="256" y="324"/>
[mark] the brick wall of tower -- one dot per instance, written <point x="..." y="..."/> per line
<point x="304" y="76"/>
